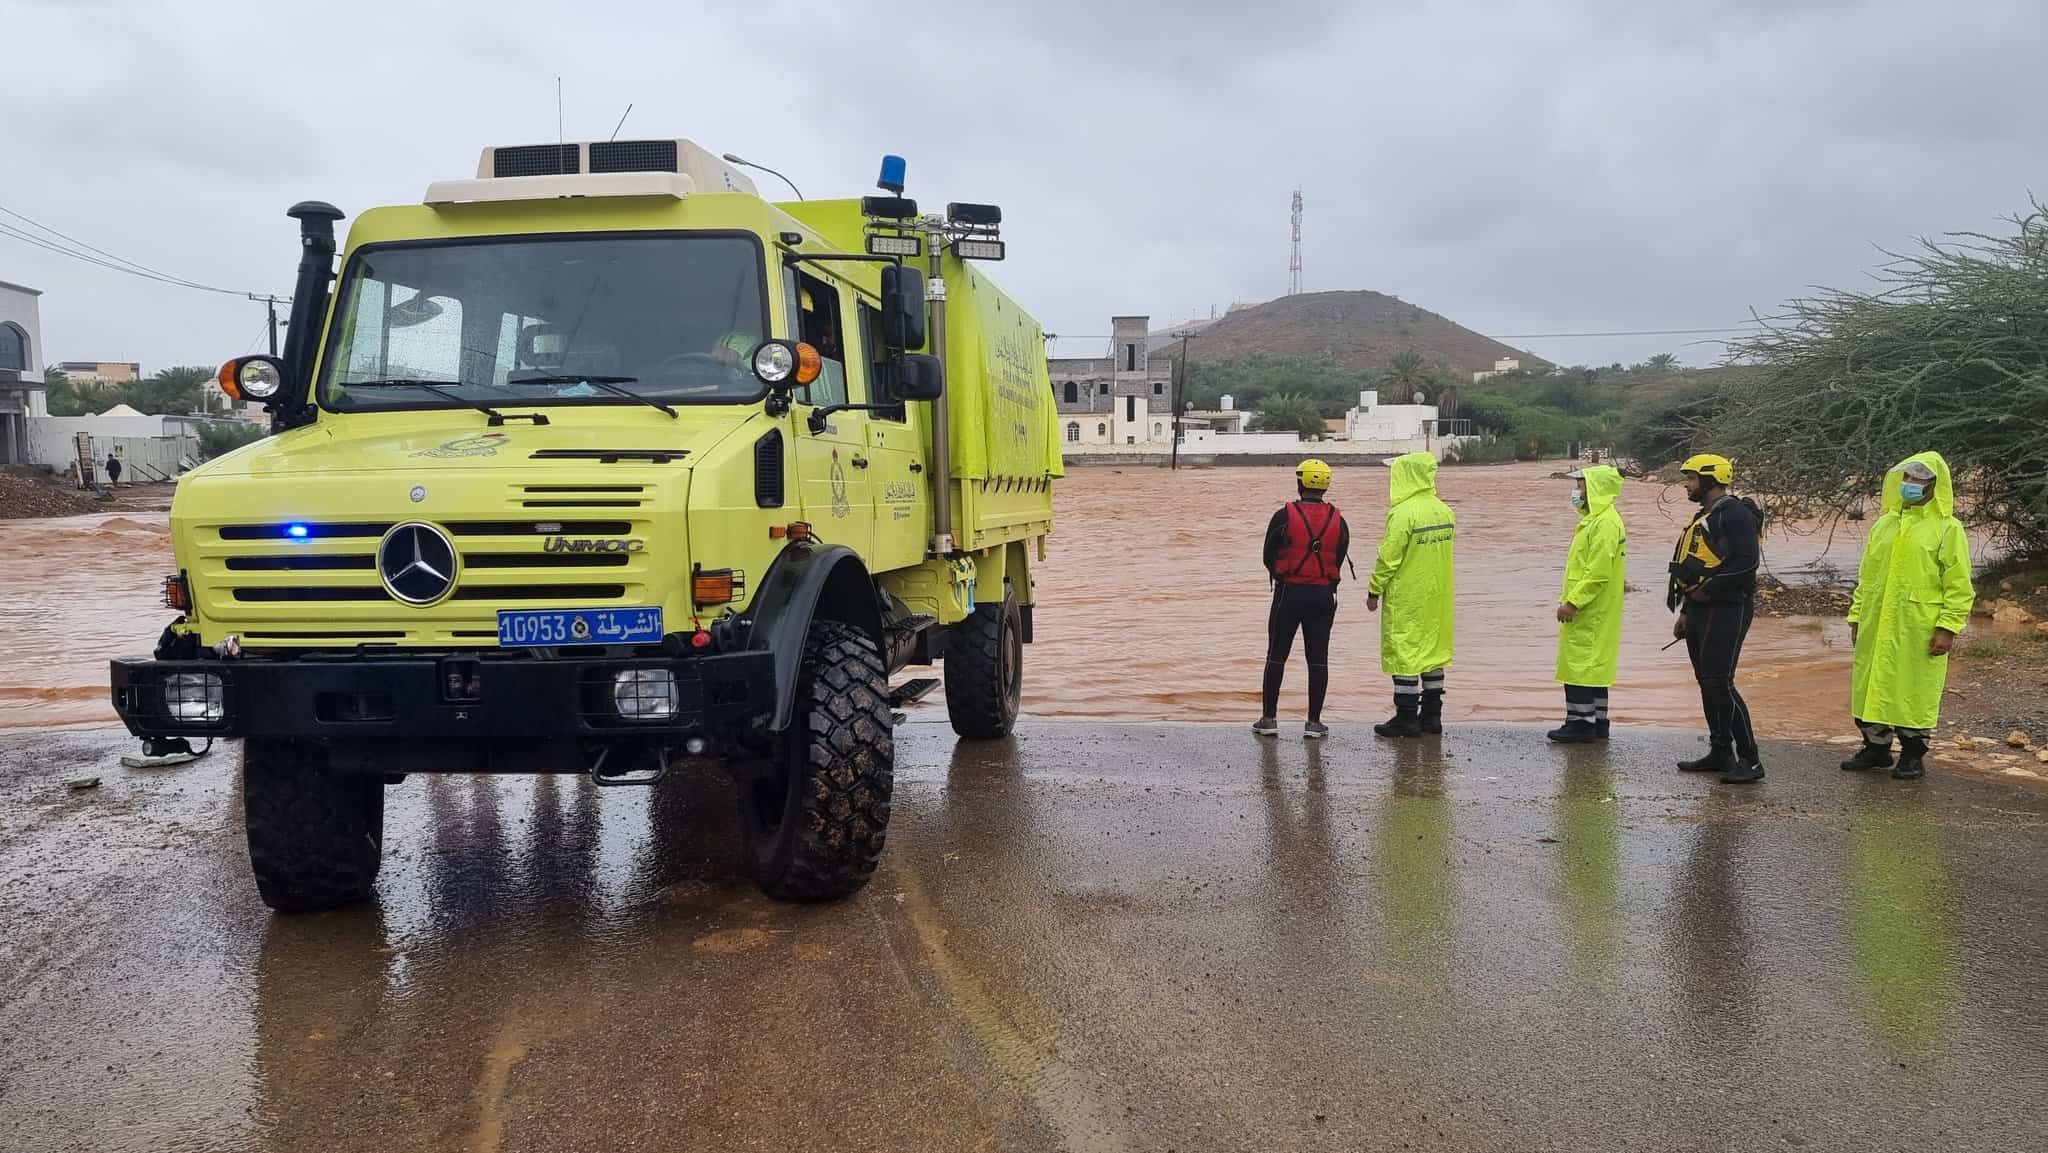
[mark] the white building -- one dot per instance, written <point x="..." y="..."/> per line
<point x="1399" y="428"/>
<point x="21" y="369"/>
<point x="1504" y="365"/>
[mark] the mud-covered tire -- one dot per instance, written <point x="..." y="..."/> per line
<point x="316" y="837"/>
<point x="816" y="813"/>
<point x="985" y="670"/>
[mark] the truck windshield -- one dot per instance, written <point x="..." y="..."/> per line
<point x="547" y="321"/>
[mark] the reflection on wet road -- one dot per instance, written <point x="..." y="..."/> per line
<point x="1089" y="937"/>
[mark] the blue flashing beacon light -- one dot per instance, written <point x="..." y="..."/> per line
<point x="893" y="171"/>
<point x="296" y="531"/>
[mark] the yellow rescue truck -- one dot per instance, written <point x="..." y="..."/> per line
<point x="599" y="461"/>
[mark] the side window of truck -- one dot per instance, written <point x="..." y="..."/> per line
<point x="879" y="384"/>
<point x="814" y="302"/>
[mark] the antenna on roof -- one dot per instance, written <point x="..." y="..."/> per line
<point x="621" y="123"/>
<point x="558" y="112"/>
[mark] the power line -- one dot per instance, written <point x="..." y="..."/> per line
<point x="1631" y="332"/>
<point x="102" y="259"/>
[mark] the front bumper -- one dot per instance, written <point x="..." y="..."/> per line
<point x="460" y="712"/>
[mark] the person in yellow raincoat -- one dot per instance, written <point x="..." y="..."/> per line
<point x="1913" y="595"/>
<point x="1589" y="608"/>
<point x="1413" y="577"/>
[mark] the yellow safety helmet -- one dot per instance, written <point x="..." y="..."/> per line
<point x="1313" y="474"/>
<point x="1718" y="469"/>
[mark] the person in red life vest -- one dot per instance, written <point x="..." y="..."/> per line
<point x="1307" y="542"/>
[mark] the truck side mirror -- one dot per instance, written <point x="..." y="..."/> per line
<point x="902" y="307"/>
<point x="920" y="376"/>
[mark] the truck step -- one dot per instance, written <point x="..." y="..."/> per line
<point x="914" y="623"/>
<point x="910" y="692"/>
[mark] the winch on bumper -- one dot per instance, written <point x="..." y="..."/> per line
<point x="456" y="712"/>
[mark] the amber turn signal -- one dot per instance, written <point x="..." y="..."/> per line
<point x="719" y="586"/>
<point x="176" y="594"/>
<point x="808" y="364"/>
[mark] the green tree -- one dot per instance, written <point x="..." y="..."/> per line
<point x="1290" y="412"/>
<point x="1949" y="351"/>
<point x="223" y="436"/>
<point x="66" y="398"/>
<point x="1662" y="362"/>
<point x="176" y="391"/>
<point x="1407" y="372"/>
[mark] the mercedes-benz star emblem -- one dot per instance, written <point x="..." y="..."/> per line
<point x="417" y="563"/>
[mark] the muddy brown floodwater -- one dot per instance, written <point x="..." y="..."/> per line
<point x="1154" y="602"/>
<point x="1153" y="605"/>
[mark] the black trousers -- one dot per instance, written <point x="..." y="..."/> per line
<point x="1713" y="638"/>
<point x="1311" y="609"/>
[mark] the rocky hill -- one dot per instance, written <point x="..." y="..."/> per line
<point x="1355" y="329"/>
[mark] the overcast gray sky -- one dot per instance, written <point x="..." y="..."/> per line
<point x="1571" y="166"/>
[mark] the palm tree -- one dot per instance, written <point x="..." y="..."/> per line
<point x="1406" y="373"/>
<point x="1662" y="362"/>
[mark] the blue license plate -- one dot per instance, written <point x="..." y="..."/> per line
<point x="532" y="628"/>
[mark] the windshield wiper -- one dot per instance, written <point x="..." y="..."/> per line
<point x="436" y="387"/>
<point x="607" y="383"/>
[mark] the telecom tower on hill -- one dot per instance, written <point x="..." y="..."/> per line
<point x="1294" y="262"/>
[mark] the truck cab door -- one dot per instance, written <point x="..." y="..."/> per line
<point x="833" y="466"/>
<point x="903" y="507"/>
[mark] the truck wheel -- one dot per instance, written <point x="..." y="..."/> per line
<point x="985" y="670"/>
<point x="316" y="838"/>
<point x="816" y="812"/>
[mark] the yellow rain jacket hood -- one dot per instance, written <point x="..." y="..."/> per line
<point x="1413" y="573"/>
<point x="1589" y="645"/>
<point x="1915" y="578"/>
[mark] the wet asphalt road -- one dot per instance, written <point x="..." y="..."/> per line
<point x="1093" y="937"/>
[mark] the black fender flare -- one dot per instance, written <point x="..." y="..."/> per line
<point x="804" y="583"/>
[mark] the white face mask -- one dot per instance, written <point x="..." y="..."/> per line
<point x="1578" y="500"/>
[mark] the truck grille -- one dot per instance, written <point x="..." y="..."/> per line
<point x="313" y="583"/>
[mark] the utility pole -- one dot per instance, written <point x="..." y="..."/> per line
<point x="271" y="303"/>
<point x="1180" y="390"/>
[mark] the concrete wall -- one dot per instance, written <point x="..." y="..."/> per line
<point x="143" y="458"/>
<point x="155" y="442"/>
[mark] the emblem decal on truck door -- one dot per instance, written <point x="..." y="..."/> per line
<point x="841" y="506"/>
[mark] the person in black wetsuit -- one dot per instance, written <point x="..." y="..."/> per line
<point x="1307" y="542"/>
<point x="1713" y="587"/>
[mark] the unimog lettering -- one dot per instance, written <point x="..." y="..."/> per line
<point x="593" y="544"/>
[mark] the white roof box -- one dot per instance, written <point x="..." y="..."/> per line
<point x="593" y="168"/>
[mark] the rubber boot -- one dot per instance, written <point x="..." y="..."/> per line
<point x="1912" y="758"/>
<point x="1719" y="759"/>
<point x="1432" y="718"/>
<point x="1575" y="733"/>
<point x="1406" y="722"/>
<point x="1744" y="772"/>
<point x="1600" y="730"/>
<point x="1868" y="757"/>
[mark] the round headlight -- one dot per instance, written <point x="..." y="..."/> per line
<point x="774" y="363"/>
<point x="645" y="694"/>
<point x="259" y="380"/>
